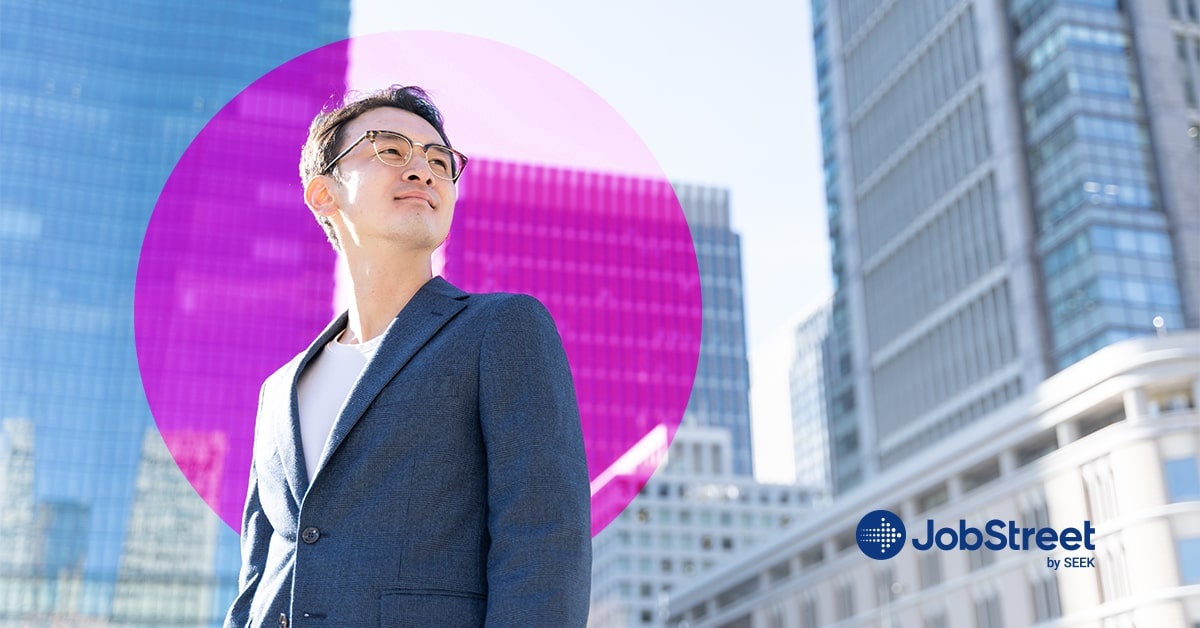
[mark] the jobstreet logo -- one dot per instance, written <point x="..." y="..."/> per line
<point x="881" y="536"/>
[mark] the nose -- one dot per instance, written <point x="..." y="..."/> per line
<point x="417" y="168"/>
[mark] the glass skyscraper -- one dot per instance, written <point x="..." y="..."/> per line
<point x="1012" y="186"/>
<point x="721" y="392"/>
<point x="98" y="102"/>
<point x="609" y="257"/>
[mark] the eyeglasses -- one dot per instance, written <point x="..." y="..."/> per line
<point x="396" y="150"/>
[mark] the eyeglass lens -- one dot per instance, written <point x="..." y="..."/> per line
<point x="395" y="150"/>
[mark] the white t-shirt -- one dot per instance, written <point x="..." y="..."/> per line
<point x="324" y="387"/>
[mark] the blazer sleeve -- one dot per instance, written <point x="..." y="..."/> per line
<point x="255" y="542"/>
<point x="539" y="561"/>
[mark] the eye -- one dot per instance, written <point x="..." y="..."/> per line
<point x="439" y="164"/>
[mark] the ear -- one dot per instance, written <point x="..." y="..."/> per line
<point x="319" y="196"/>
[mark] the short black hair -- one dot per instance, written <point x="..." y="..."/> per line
<point x="325" y="135"/>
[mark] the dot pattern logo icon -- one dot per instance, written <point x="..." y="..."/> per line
<point x="881" y="534"/>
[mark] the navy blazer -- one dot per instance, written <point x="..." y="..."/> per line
<point x="453" y="490"/>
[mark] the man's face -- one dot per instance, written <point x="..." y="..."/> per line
<point x="406" y="206"/>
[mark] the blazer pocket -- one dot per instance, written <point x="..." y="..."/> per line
<point x="422" y="608"/>
<point x="416" y="388"/>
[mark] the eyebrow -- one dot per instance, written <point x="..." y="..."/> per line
<point x="438" y="142"/>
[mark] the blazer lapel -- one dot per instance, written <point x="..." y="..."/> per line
<point x="290" y="448"/>
<point x="429" y="310"/>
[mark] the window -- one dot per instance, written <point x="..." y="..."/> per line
<point x="845" y="600"/>
<point x="775" y="617"/>
<point x="1112" y="570"/>
<point x="981" y="558"/>
<point x="1033" y="510"/>
<point x="780" y="571"/>
<point x="1046" y="602"/>
<point x="1183" y="479"/>
<point x="932" y="499"/>
<point x="886" y="587"/>
<point x="980" y="475"/>
<point x="930" y="565"/>
<point x="1189" y="561"/>
<point x="808" y="612"/>
<point x="987" y="611"/>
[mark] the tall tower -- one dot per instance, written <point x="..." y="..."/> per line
<point x="18" y="560"/>
<point x="721" y="394"/>
<point x="807" y="385"/>
<point x="161" y="579"/>
<point x="1003" y="189"/>
<point x="100" y="100"/>
<point x="632" y="216"/>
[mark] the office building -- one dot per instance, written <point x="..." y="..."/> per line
<point x="100" y="100"/>
<point x="636" y="292"/>
<point x="720" y="396"/>
<point x="807" y="377"/>
<point x="1012" y="186"/>
<point x="692" y="515"/>
<point x="167" y="572"/>
<point x="18" y="515"/>
<point x="1113" y="440"/>
<point x="518" y="220"/>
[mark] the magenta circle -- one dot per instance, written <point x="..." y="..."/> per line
<point x="235" y="277"/>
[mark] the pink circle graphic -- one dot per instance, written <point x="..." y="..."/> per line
<point x="562" y="200"/>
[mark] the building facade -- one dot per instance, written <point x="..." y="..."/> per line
<point x="721" y="392"/>
<point x="702" y="503"/>
<point x="1113" y="441"/>
<point x="695" y="513"/>
<point x="162" y="581"/>
<point x="1011" y="187"/>
<point x="808" y="375"/>
<point x="100" y="100"/>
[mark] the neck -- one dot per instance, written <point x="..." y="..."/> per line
<point x="381" y="287"/>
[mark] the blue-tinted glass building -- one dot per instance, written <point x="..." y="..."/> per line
<point x="721" y="392"/>
<point x="1012" y="185"/>
<point x="98" y="100"/>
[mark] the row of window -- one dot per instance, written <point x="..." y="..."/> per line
<point x="945" y="256"/>
<point x="924" y="88"/>
<point x="1027" y="14"/>
<point x="873" y="56"/>
<point x="950" y="153"/>
<point x="1181" y="8"/>
<point x="684" y="516"/>
<point x="1073" y="35"/>
<point x="1189" y="68"/>
<point x="979" y="407"/>
<point x="974" y="342"/>
<point x="1128" y="241"/>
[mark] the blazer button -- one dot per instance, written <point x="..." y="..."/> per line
<point x="310" y="535"/>
<point x="283" y="622"/>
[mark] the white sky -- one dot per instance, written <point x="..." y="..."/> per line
<point x="722" y="94"/>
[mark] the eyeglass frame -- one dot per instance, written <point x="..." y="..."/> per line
<point x="372" y="134"/>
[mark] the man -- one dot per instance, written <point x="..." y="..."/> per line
<point x="421" y="463"/>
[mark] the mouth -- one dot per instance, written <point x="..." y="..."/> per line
<point x="417" y="195"/>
